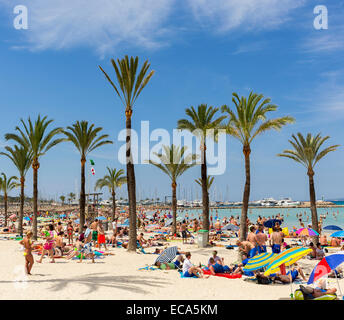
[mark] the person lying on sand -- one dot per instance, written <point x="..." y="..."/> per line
<point x="319" y="291"/>
<point x="291" y="275"/>
<point x="87" y="252"/>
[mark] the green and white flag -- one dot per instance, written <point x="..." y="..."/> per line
<point x="92" y="162"/>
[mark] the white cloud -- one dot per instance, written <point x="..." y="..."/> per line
<point x="325" y="41"/>
<point x="226" y="15"/>
<point x="100" y="24"/>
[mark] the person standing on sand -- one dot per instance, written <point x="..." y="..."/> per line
<point x="251" y="237"/>
<point x="49" y="245"/>
<point x="276" y="240"/>
<point x="261" y="239"/>
<point x="70" y="232"/>
<point x="218" y="229"/>
<point x="28" y="246"/>
<point x="94" y="228"/>
<point x="183" y="230"/>
<point x="101" y="235"/>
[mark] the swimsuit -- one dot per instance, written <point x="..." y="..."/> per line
<point x="294" y="274"/>
<point x="261" y="249"/>
<point x="94" y="235"/>
<point x="101" y="238"/>
<point x="276" y="248"/>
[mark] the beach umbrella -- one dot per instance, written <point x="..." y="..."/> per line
<point x="101" y="218"/>
<point x="230" y="227"/>
<point x="168" y="223"/>
<point x="77" y="221"/>
<point x="62" y="215"/>
<point x="27" y="219"/>
<point x="325" y="266"/>
<point x="338" y="234"/>
<point x="167" y="255"/>
<point x="271" y="223"/>
<point x="334" y="228"/>
<point x="259" y="261"/>
<point x="287" y="257"/>
<point x="13" y="216"/>
<point x="307" y="232"/>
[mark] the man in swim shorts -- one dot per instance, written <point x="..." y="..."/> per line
<point x="94" y="227"/>
<point x="276" y="240"/>
<point x="261" y="238"/>
<point x="216" y="267"/>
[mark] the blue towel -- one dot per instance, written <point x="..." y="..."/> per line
<point x="182" y="276"/>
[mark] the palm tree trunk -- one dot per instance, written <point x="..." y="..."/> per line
<point x="82" y="195"/>
<point x="113" y="205"/>
<point x="205" y="194"/>
<point x="21" y="213"/>
<point x="246" y="196"/>
<point x="35" y="166"/>
<point x="174" y="207"/>
<point x="131" y="185"/>
<point x="5" y="204"/>
<point x="313" y="204"/>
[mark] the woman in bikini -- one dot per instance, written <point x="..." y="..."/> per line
<point x="27" y="243"/>
<point x="70" y="232"/>
<point x="48" y="245"/>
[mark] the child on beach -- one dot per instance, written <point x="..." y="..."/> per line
<point x="28" y="246"/>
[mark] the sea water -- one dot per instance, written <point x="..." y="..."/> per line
<point x="332" y="215"/>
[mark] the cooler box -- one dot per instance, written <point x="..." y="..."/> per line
<point x="202" y="238"/>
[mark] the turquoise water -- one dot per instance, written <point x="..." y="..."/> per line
<point x="334" y="216"/>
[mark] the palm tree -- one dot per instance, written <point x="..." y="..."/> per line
<point x="22" y="159"/>
<point x="62" y="198"/>
<point x="38" y="141"/>
<point x="85" y="138"/>
<point x="306" y="150"/>
<point x="210" y="181"/>
<point x="201" y="125"/>
<point x="6" y="185"/>
<point x="71" y="197"/>
<point x="174" y="163"/>
<point x="248" y="122"/>
<point x="131" y="85"/>
<point x="113" y="180"/>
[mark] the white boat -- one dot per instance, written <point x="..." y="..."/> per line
<point x="288" y="202"/>
<point x="267" y="202"/>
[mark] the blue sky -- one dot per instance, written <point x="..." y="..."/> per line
<point x="201" y="51"/>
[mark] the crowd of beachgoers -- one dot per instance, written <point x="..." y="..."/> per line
<point x="59" y="237"/>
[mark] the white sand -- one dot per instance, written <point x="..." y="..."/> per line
<point x="118" y="277"/>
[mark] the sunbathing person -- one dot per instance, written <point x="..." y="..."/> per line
<point x="319" y="291"/>
<point x="165" y="266"/>
<point x="291" y="275"/>
<point x="216" y="267"/>
<point x="189" y="270"/>
<point x="216" y="258"/>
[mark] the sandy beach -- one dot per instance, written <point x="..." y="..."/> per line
<point x="117" y="277"/>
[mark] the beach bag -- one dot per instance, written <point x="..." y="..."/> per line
<point x="262" y="279"/>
